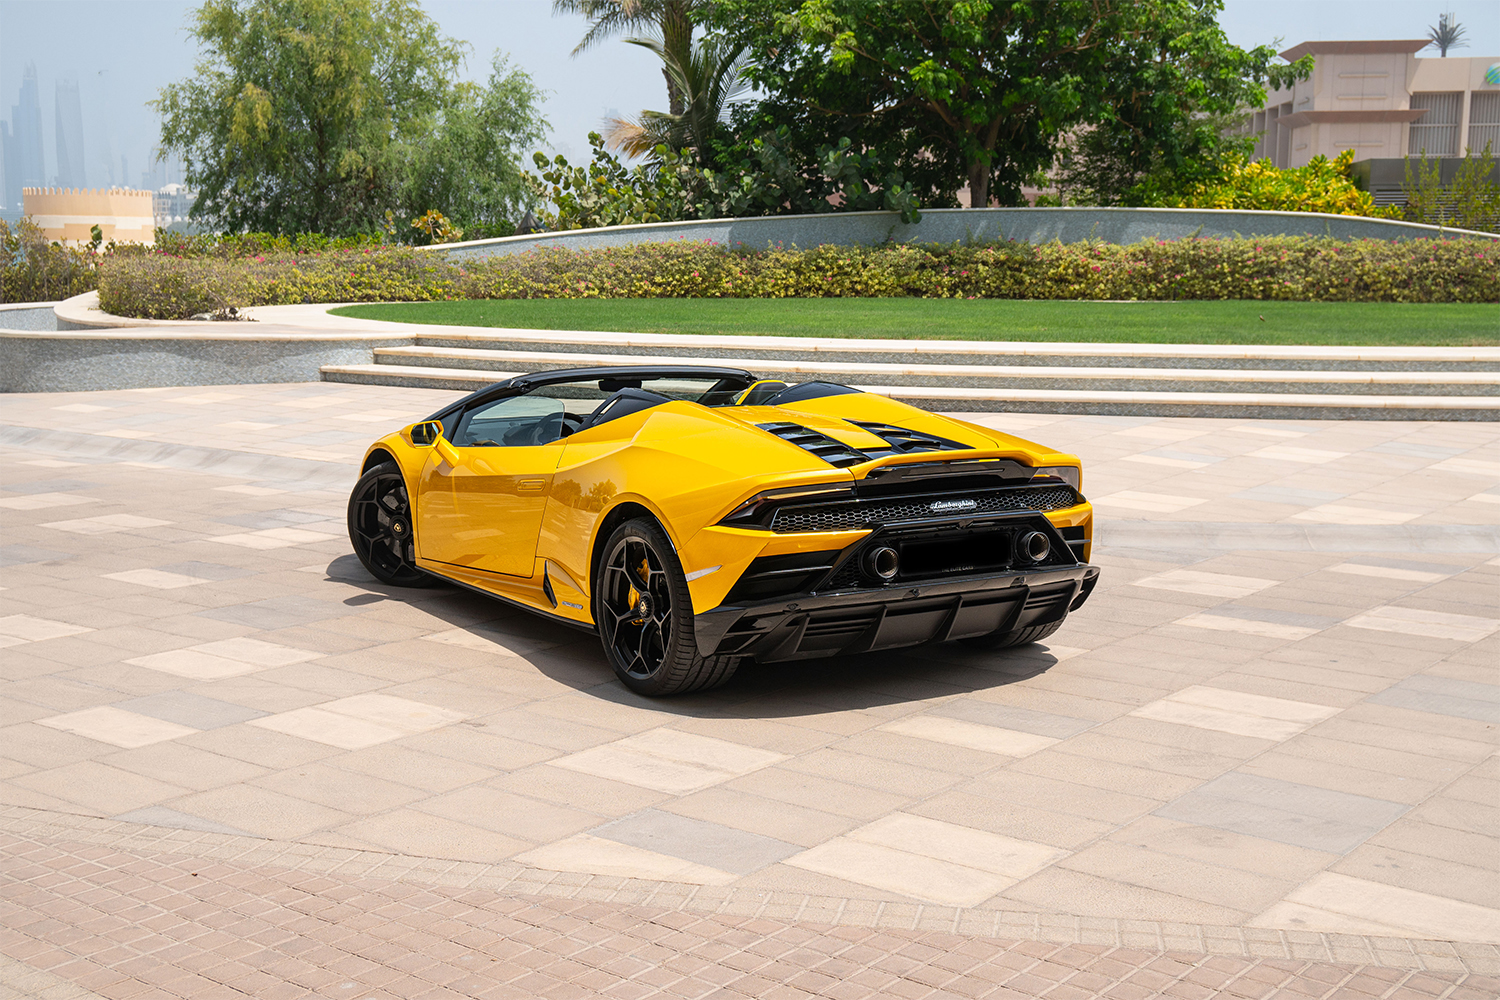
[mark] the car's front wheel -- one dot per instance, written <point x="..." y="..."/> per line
<point x="380" y="527"/>
<point x="645" y="618"/>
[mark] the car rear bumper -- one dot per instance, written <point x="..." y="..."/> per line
<point x="805" y="626"/>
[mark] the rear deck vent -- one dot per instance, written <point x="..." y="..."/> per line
<point x="833" y="452"/>
<point x="905" y="442"/>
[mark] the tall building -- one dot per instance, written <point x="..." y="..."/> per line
<point x="1378" y="99"/>
<point x="26" y="139"/>
<point x="71" y="172"/>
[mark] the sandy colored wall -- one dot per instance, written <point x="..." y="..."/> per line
<point x="67" y="214"/>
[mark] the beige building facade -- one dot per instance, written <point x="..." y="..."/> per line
<point x="69" y="214"/>
<point x="1378" y="99"/>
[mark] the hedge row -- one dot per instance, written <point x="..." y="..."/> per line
<point x="1280" y="268"/>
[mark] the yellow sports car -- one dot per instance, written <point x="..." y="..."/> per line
<point x="698" y="518"/>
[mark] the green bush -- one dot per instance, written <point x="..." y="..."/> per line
<point x="1280" y="268"/>
<point x="34" y="270"/>
<point x="230" y="245"/>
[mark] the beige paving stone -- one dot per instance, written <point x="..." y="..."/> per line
<point x="1421" y="872"/>
<point x="321" y="726"/>
<point x="578" y="790"/>
<point x="1462" y="847"/>
<point x="479" y="745"/>
<point x="596" y="855"/>
<point x="1331" y="902"/>
<point x="259" y="811"/>
<point x="406" y="765"/>
<point x="1179" y="875"/>
<point x="816" y="792"/>
<point x="1236" y="712"/>
<point x="1101" y="804"/>
<point x="117" y="726"/>
<point x="1107" y="774"/>
<point x="1094" y="896"/>
<point x="352" y="793"/>
<point x="871" y="772"/>
<point x="188" y="767"/>
<point x="955" y="732"/>
<point x="156" y="579"/>
<point x="1155" y="757"/>
<point x="98" y="787"/>
<point x="1246" y="626"/>
<point x="1012" y="819"/>
<point x="756" y="814"/>
<point x="1208" y="584"/>
<point x="666" y="760"/>
<point x="105" y="524"/>
<point x="1223" y="848"/>
<point x="261" y="747"/>
<point x="1338" y="777"/>
<point x="16" y="629"/>
<point x="527" y="819"/>
<point x="1431" y="624"/>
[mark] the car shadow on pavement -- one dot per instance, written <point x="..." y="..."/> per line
<point x="572" y="657"/>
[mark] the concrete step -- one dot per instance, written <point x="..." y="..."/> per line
<point x="1422" y="383"/>
<point x="1280" y="405"/>
<point x="1278" y="358"/>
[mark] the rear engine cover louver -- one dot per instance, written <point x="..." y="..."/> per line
<point x="900" y="441"/>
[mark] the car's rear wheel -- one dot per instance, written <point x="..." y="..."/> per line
<point x="645" y="618"/>
<point x="1015" y="637"/>
<point x="380" y="527"/>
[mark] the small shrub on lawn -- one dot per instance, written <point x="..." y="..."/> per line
<point x="1279" y="268"/>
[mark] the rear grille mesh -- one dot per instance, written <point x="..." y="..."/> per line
<point x="854" y="516"/>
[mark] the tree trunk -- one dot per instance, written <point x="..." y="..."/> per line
<point x="979" y="184"/>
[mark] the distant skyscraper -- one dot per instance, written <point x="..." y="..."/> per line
<point x="70" y="168"/>
<point x="7" y="169"/>
<point x="26" y="136"/>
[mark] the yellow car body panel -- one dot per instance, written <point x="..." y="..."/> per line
<point x="518" y="522"/>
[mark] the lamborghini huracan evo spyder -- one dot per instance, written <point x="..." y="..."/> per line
<point x="698" y="518"/>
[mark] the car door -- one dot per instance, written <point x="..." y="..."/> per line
<point x="484" y="510"/>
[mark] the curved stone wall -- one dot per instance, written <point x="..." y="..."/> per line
<point x="949" y="225"/>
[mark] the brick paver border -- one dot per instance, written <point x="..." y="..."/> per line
<point x="19" y="825"/>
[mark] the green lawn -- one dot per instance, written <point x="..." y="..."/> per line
<point x="1234" y="322"/>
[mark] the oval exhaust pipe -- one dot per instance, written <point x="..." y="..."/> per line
<point x="882" y="562"/>
<point x="1033" y="546"/>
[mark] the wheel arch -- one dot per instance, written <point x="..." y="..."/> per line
<point x="376" y="456"/>
<point x="613" y="518"/>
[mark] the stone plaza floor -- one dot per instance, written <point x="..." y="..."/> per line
<point x="1263" y="760"/>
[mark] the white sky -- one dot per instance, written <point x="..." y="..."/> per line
<point x="123" y="51"/>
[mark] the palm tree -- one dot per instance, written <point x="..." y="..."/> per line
<point x="707" y="83"/>
<point x="1448" y="34"/>
<point x="670" y="20"/>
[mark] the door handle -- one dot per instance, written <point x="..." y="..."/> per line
<point x="531" y="485"/>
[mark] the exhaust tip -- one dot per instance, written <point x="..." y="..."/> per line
<point x="882" y="562"/>
<point x="1033" y="546"/>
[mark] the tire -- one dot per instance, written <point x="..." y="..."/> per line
<point x="1015" y="637"/>
<point x="380" y="527"/>
<point x="643" y="611"/>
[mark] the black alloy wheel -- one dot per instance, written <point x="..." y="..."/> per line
<point x="643" y="610"/>
<point x="380" y="527"/>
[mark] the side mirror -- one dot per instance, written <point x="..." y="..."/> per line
<point x="425" y="434"/>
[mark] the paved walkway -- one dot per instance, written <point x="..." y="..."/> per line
<point x="1267" y="746"/>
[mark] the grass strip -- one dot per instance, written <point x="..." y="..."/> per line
<point x="1355" y="324"/>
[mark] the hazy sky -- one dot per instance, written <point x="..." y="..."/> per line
<point x="122" y="52"/>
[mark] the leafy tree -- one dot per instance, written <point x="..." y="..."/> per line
<point x="470" y="167"/>
<point x="1446" y="34"/>
<point x="324" y="115"/>
<point x="979" y="92"/>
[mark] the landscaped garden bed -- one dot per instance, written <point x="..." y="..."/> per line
<point x="1302" y="269"/>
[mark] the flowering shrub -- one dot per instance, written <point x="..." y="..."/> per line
<point x="35" y="270"/>
<point x="1284" y="268"/>
<point x="1323" y="185"/>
